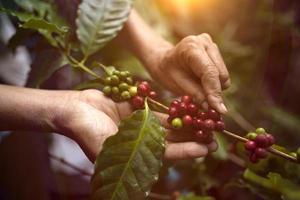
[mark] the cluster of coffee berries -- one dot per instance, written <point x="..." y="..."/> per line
<point x="143" y="90"/>
<point x="186" y="114"/>
<point x="119" y="86"/>
<point x="257" y="144"/>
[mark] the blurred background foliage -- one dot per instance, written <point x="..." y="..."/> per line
<point x="260" y="43"/>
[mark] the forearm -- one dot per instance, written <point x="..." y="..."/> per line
<point x="28" y="109"/>
<point x="141" y="40"/>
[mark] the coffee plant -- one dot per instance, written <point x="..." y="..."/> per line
<point x="130" y="161"/>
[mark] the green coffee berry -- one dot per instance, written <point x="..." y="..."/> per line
<point x="107" y="80"/>
<point x="129" y="80"/>
<point x="125" y="95"/>
<point x="127" y="73"/>
<point x="177" y="123"/>
<point x="115" y="90"/>
<point x="260" y="131"/>
<point x="116" y="72"/>
<point x="251" y="136"/>
<point x="115" y="80"/>
<point x="294" y="154"/>
<point x="123" y="86"/>
<point x="133" y="91"/>
<point x="123" y="74"/>
<point x="107" y="90"/>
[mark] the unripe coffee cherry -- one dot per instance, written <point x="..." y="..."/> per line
<point x="192" y="109"/>
<point x="115" y="80"/>
<point x="107" y="90"/>
<point x="125" y="95"/>
<point x="116" y="72"/>
<point x="137" y="102"/>
<point x="107" y="81"/>
<point x="177" y="123"/>
<point x="173" y="112"/>
<point x="123" y="86"/>
<point x="186" y="99"/>
<point x="129" y="80"/>
<point x="260" y="131"/>
<point x="220" y="126"/>
<point x="187" y="120"/>
<point x="209" y="125"/>
<point x="115" y="90"/>
<point x="123" y="75"/>
<point x="261" y="152"/>
<point x="262" y="141"/>
<point x="214" y="115"/>
<point x="133" y="91"/>
<point x="250" y="145"/>
<point x="251" y="136"/>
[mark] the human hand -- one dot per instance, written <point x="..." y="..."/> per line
<point x="194" y="67"/>
<point x="89" y="118"/>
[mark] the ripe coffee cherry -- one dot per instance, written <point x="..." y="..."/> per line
<point x="175" y="103"/>
<point x="177" y="123"/>
<point x="137" y="102"/>
<point x="107" y="90"/>
<point x="202" y="115"/>
<point x="251" y="136"/>
<point x="209" y="125"/>
<point x="262" y="141"/>
<point x="115" y="90"/>
<point x="146" y="83"/>
<point x="125" y="95"/>
<point x="203" y="137"/>
<point x="220" y="126"/>
<point x="250" y="145"/>
<point x="214" y="115"/>
<point x="253" y="158"/>
<point x="260" y="152"/>
<point x="198" y="124"/>
<point x="133" y="91"/>
<point x="271" y="139"/>
<point x="153" y="95"/>
<point x="173" y="112"/>
<point x="187" y="120"/>
<point x="260" y="131"/>
<point x="123" y="86"/>
<point x="115" y="80"/>
<point x="186" y="99"/>
<point x="192" y="109"/>
<point x="143" y="90"/>
<point x="182" y="108"/>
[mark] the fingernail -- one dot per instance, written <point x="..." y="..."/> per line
<point x="223" y="108"/>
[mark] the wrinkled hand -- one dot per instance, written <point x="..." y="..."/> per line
<point x="89" y="118"/>
<point x="195" y="67"/>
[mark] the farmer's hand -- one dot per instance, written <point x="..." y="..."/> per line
<point x="89" y="118"/>
<point x="194" y="66"/>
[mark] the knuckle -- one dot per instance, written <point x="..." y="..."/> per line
<point x="91" y="95"/>
<point x="190" y="39"/>
<point x="206" y="37"/>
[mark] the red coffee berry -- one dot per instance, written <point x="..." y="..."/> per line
<point x="182" y="108"/>
<point x="173" y="112"/>
<point x="153" y="94"/>
<point x="213" y="114"/>
<point x="220" y="126"/>
<point x="192" y="109"/>
<point x="202" y="115"/>
<point x="262" y="141"/>
<point x="146" y="83"/>
<point x="250" y="145"/>
<point x="187" y="120"/>
<point x="261" y="152"/>
<point x="198" y="124"/>
<point x="253" y="158"/>
<point x="209" y="125"/>
<point x="169" y="120"/>
<point x="137" y="102"/>
<point x="143" y="90"/>
<point x="271" y="139"/>
<point x="204" y="136"/>
<point x="186" y="99"/>
<point x="175" y="103"/>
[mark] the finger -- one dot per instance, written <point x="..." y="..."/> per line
<point x="215" y="56"/>
<point x="206" y="70"/>
<point x="188" y="85"/>
<point x="186" y="150"/>
<point x="212" y="147"/>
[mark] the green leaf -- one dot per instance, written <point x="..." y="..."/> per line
<point x="192" y="196"/>
<point x="99" y="21"/>
<point x="91" y="84"/>
<point x="130" y="161"/>
<point x="274" y="182"/>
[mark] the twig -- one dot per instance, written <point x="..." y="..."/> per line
<point x="63" y="161"/>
